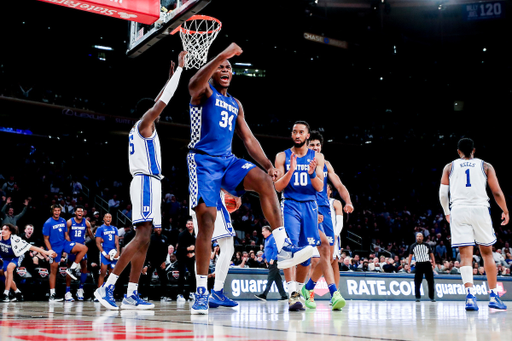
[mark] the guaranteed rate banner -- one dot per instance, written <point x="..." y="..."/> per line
<point x="244" y="284"/>
<point x="142" y="11"/>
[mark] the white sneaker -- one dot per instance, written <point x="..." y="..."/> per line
<point x="80" y="294"/>
<point x="180" y="299"/>
<point x="69" y="297"/>
<point x="191" y="297"/>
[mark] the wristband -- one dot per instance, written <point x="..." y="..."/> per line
<point x="312" y="176"/>
<point x="104" y="253"/>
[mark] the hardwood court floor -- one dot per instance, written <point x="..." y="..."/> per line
<point x="255" y="320"/>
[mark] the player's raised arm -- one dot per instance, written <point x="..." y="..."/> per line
<point x="146" y="127"/>
<point x="198" y="86"/>
<point x="252" y="144"/>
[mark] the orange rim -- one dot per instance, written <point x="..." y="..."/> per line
<point x="199" y="17"/>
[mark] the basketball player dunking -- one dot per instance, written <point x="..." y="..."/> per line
<point x="145" y="193"/>
<point x="215" y="115"/>
<point x="463" y="184"/>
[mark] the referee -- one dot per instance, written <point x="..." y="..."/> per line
<point x="425" y="261"/>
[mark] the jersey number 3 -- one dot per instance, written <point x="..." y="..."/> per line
<point x="226" y="120"/>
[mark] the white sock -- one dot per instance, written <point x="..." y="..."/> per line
<point x="292" y="286"/>
<point x="299" y="287"/>
<point x="6" y="292"/>
<point x="111" y="280"/>
<point x="494" y="291"/>
<point x="74" y="266"/>
<point x="466" y="272"/>
<point x="227" y="248"/>
<point x="201" y="281"/>
<point x="132" y="288"/>
<point x="279" y="236"/>
<point x="52" y="292"/>
<point x="18" y="291"/>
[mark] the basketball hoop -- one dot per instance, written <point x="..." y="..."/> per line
<point x="197" y="35"/>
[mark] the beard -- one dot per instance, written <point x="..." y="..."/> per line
<point x="299" y="144"/>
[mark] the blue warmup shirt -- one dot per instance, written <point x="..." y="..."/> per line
<point x="56" y="230"/>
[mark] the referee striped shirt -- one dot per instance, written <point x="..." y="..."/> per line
<point x="421" y="252"/>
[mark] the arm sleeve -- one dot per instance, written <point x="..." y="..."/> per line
<point x="443" y="198"/>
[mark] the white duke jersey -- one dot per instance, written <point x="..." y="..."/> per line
<point x="144" y="153"/>
<point x="468" y="183"/>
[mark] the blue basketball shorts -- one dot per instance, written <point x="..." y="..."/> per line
<point x="72" y="257"/>
<point x="8" y="261"/>
<point x="208" y="174"/>
<point x="105" y="261"/>
<point x="301" y="222"/>
<point x="326" y="225"/>
<point x="63" y="247"/>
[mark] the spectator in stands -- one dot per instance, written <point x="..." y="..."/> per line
<point x="346" y="264"/>
<point x="441" y="253"/>
<point x="506" y="272"/>
<point x="29" y="236"/>
<point x="508" y="260"/>
<point x="456" y="268"/>
<point x="497" y="256"/>
<point x="481" y="271"/>
<point x="9" y="187"/>
<point x="506" y="249"/>
<point x="7" y="213"/>
<point x="128" y="211"/>
<point x="186" y="261"/>
<point x="390" y="266"/>
<point x="157" y="253"/>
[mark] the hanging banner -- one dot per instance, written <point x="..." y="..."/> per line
<point x="142" y="11"/>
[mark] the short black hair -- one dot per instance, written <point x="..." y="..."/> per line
<point x="316" y="135"/>
<point x="304" y="123"/>
<point x="466" y="146"/>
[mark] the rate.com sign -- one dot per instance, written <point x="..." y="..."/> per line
<point x="142" y="11"/>
<point x="244" y="284"/>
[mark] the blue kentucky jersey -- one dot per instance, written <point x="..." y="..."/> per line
<point x="212" y="124"/>
<point x="300" y="188"/>
<point x="108" y="233"/>
<point x="56" y="230"/>
<point x="77" y="231"/>
<point x="321" y="197"/>
<point x="6" y="251"/>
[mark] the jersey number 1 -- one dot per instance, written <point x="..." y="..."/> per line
<point x="468" y="181"/>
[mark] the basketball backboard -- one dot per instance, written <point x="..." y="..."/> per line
<point x="172" y="14"/>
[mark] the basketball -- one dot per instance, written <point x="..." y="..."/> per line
<point x="230" y="202"/>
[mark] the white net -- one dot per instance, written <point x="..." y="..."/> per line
<point x="197" y="35"/>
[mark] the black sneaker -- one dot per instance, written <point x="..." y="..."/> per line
<point x="283" y="298"/>
<point x="19" y="296"/>
<point x="54" y="298"/>
<point x="5" y="298"/>
<point x="417" y="300"/>
<point x="433" y="300"/>
<point x="261" y="297"/>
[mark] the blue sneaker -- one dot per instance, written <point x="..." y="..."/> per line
<point x="218" y="298"/>
<point x="292" y="255"/>
<point x="105" y="296"/>
<point x="495" y="302"/>
<point x="135" y="302"/>
<point x="471" y="303"/>
<point x="200" y="306"/>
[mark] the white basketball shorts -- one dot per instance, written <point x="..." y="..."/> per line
<point x="146" y="198"/>
<point x="470" y="225"/>
<point x="223" y="227"/>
